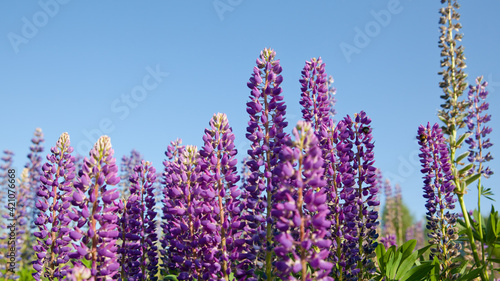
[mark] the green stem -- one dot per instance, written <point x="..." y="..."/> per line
<point x="484" y="275"/>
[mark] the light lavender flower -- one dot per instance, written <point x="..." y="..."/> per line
<point x="53" y="202"/>
<point x="98" y="211"/>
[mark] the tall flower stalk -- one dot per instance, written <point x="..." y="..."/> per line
<point x="140" y="234"/>
<point x="478" y="143"/>
<point x="301" y="210"/>
<point x="98" y="211"/>
<point x="358" y="192"/>
<point x="266" y="133"/>
<point x="438" y="190"/>
<point x="53" y="202"/>
<point x="453" y="112"/>
<point x="181" y="243"/>
<point x="220" y="194"/>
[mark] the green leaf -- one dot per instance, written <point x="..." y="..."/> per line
<point x="471" y="275"/>
<point x="462" y="156"/>
<point x="393" y="265"/>
<point x="406" y="265"/>
<point x="423" y="250"/>
<point x="461" y="139"/>
<point x="171" y="277"/>
<point x="407" y="247"/>
<point x="471" y="179"/>
<point x="380" y="252"/>
<point x="465" y="169"/>
<point x="418" y="272"/>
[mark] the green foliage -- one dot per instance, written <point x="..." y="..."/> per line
<point x="401" y="263"/>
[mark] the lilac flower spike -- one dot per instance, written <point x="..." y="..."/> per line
<point x="476" y="121"/>
<point x="219" y="193"/>
<point x="438" y="190"/>
<point x="266" y="132"/>
<point x="53" y="202"/>
<point x="100" y="207"/>
<point x="301" y="209"/>
<point x="314" y="97"/>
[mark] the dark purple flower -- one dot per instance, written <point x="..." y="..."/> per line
<point x="438" y="190"/>
<point x="300" y="209"/>
<point x="53" y="204"/>
<point x="357" y="189"/>
<point x="182" y="240"/>
<point x="138" y="253"/>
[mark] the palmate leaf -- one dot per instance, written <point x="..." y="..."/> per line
<point x="398" y="263"/>
<point x="487" y="193"/>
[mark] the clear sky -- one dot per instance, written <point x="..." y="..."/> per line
<point x="148" y="72"/>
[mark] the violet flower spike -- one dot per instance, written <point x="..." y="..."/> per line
<point x="99" y="170"/>
<point x="476" y="124"/>
<point x="266" y="132"/>
<point x="182" y="245"/>
<point x="140" y="237"/>
<point x="53" y="202"/>
<point x="314" y="97"/>
<point x="358" y="191"/>
<point x="220" y="194"/>
<point x="438" y="190"/>
<point x="301" y="209"/>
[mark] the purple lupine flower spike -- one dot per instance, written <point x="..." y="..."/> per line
<point x="301" y="210"/>
<point x="127" y="166"/>
<point x="53" y="202"/>
<point x="314" y="97"/>
<point x="34" y="167"/>
<point x="140" y="236"/>
<point x="182" y="244"/>
<point x="438" y="190"/>
<point x="266" y="132"/>
<point x="476" y="124"/>
<point x="100" y="207"/>
<point x="358" y="191"/>
<point x="220" y="193"/>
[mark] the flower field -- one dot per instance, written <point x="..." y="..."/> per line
<point x="302" y="203"/>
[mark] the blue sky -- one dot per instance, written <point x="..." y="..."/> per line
<point x="146" y="73"/>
